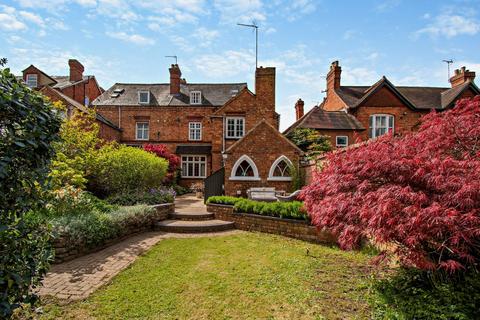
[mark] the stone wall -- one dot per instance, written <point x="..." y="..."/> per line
<point x="286" y="227"/>
<point x="65" y="251"/>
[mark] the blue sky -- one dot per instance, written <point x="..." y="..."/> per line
<point x="126" y="40"/>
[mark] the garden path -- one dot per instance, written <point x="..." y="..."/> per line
<point x="77" y="279"/>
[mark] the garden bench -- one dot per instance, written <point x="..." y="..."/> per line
<point x="291" y="197"/>
<point x="262" y="194"/>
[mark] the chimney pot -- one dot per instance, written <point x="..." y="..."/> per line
<point x="334" y="77"/>
<point x="299" y="110"/>
<point x="461" y="76"/>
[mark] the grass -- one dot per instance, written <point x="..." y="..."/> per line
<point x="242" y="276"/>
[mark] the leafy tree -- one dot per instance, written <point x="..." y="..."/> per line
<point x="419" y="194"/>
<point x="28" y="126"/>
<point x="310" y="140"/>
<point x="162" y="151"/>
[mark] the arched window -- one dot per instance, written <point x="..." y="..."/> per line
<point x="244" y="169"/>
<point x="280" y="169"/>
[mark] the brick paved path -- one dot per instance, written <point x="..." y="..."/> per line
<point x="77" y="279"/>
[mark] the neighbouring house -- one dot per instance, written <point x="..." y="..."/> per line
<point x="75" y="91"/>
<point x="367" y="112"/>
<point x="206" y="125"/>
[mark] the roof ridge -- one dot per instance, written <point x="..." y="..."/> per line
<point x="188" y="83"/>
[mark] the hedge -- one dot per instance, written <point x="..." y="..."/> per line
<point x="289" y="210"/>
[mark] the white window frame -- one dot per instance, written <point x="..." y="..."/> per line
<point x="194" y="162"/>
<point x="193" y="130"/>
<point x="372" y="120"/>
<point x="271" y="177"/>
<point x="28" y="81"/>
<point x="195" y="97"/>
<point x="143" y="130"/>
<point x="235" y="119"/>
<point x="255" y="177"/>
<point x="148" y="95"/>
<point x="340" y="145"/>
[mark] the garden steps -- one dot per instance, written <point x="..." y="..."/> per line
<point x="191" y="216"/>
<point x="185" y="226"/>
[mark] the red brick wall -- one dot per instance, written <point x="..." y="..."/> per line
<point x="385" y="102"/>
<point x="352" y="135"/>
<point x="263" y="146"/>
<point x="108" y="133"/>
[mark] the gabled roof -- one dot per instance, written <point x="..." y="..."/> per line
<point x="252" y="131"/>
<point x="64" y="81"/>
<point x="46" y="75"/>
<point x="49" y="91"/>
<point x="418" y="98"/>
<point x="213" y="94"/>
<point x="229" y="101"/>
<point x="318" y="118"/>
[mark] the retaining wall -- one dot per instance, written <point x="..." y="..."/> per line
<point x="65" y="250"/>
<point x="286" y="227"/>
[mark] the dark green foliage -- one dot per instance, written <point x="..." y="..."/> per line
<point x="416" y="294"/>
<point x="298" y="178"/>
<point x="28" y="126"/>
<point x="288" y="210"/>
<point x="153" y="196"/>
<point x="310" y="140"/>
<point x="179" y="190"/>
<point x="223" y="200"/>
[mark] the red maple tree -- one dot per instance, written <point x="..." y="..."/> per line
<point x="418" y="193"/>
<point x="161" y="150"/>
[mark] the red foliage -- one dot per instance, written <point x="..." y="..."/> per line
<point x="419" y="193"/>
<point x="161" y="150"/>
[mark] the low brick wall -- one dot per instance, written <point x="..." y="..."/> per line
<point x="65" y="250"/>
<point x="286" y="227"/>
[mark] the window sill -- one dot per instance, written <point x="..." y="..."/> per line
<point x="279" y="179"/>
<point x="192" y="177"/>
<point x="231" y="138"/>
<point x="244" y="179"/>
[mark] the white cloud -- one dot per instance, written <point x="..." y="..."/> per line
<point x="387" y="5"/>
<point x="11" y="23"/>
<point x="450" y="25"/>
<point x="296" y="8"/>
<point x="34" y="18"/>
<point x="205" y="36"/>
<point x="349" y="34"/>
<point x="182" y="43"/>
<point x="359" y="76"/>
<point x="230" y="63"/>
<point x="132" y="38"/>
<point x="240" y="11"/>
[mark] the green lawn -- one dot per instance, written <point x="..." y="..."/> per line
<point x="243" y="276"/>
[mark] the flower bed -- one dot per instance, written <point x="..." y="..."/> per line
<point x="77" y="235"/>
<point x="283" y="218"/>
<point x="288" y="210"/>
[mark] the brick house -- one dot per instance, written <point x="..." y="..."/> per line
<point x="370" y="111"/>
<point x="197" y="121"/>
<point x="75" y="91"/>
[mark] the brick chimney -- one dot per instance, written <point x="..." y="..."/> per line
<point x="265" y="93"/>
<point x="461" y="76"/>
<point x="333" y="76"/>
<point x="175" y="79"/>
<point x="299" y="112"/>
<point x="76" y="70"/>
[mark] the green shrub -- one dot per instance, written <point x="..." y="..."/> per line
<point x="94" y="229"/>
<point x="223" y="200"/>
<point x="288" y="210"/>
<point x="417" y="294"/>
<point x="28" y="126"/>
<point x="152" y="196"/>
<point x="127" y="169"/>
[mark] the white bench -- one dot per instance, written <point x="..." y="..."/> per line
<point x="262" y="194"/>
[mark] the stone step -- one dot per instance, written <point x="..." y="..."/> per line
<point x="191" y="216"/>
<point x="181" y="226"/>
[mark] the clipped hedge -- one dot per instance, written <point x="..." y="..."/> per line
<point x="288" y="210"/>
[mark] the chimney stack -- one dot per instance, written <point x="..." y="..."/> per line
<point x="299" y="112"/>
<point x="333" y="76"/>
<point x="461" y="76"/>
<point x="175" y="79"/>
<point x="265" y="93"/>
<point x="76" y="70"/>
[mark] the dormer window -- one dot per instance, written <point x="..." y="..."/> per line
<point x="31" y="80"/>
<point x="195" y="97"/>
<point x="144" y="97"/>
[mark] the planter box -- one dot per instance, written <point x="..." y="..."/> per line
<point x="66" y="251"/>
<point x="297" y="229"/>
